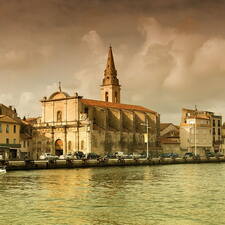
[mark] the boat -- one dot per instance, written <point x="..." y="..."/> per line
<point x="2" y="170"/>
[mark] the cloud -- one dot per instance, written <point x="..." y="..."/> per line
<point x="26" y="106"/>
<point x="168" y="54"/>
<point x="176" y="69"/>
<point x="6" y="99"/>
<point x="94" y="42"/>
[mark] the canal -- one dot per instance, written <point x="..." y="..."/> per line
<point x="189" y="194"/>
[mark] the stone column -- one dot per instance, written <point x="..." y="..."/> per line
<point x="53" y="142"/>
<point x="65" y="140"/>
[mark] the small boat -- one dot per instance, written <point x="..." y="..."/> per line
<point x="2" y="170"/>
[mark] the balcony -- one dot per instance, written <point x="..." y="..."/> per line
<point x="11" y="145"/>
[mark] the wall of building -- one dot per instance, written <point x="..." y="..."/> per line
<point x="13" y="137"/>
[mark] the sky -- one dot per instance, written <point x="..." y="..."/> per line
<point x="169" y="54"/>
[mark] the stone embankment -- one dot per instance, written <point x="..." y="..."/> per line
<point x="56" y="164"/>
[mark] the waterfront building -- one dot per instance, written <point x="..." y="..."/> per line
<point x="73" y="123"/>
<point x="223" y="139"/>
<point x="9" y="111"/>
<point x="9" y="138"/>
<point x="200" y="130"/>
<point x="26" y="140"/>
<point x="170" y="138"/>
<point x="15" y="135"/>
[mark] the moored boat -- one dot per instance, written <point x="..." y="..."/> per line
<point x="2" y="170"/>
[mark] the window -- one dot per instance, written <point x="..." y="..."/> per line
<point x="14" y="141"/>
<point x="86" y="110"/>
<point x="0" y="128"/>
<point x="69" y="145"/>
<point x="219" y="131"/>
<point x="59" y="116"/>
<point x="214" y="131"/>
<point x="7" y="141"/>
<point x="7" y="128"/>
<point x="116" y="97"/>
<point x="24" y="144"/>
<point x="82" y="145"/>
<point x="218" y="123"/>
<point x="106" y="96"/>
<point x="14" y="129"/>
<point x="214" y="123"/>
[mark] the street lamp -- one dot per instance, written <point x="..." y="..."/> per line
<point x="195" y="130"/>
<point x="147" y="127"/>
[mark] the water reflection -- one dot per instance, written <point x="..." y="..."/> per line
<point x="178" y="194"/>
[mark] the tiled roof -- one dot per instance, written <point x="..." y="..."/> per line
<point x="5" y="118"/>
<point x="170" y="140"/>
<point x="30" y="120"/>
<point x="164" y="125"/>
<point x="204" y="117"/>
<point x="115" y="105"/>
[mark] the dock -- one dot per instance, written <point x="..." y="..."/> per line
<point x="84" y="163"/>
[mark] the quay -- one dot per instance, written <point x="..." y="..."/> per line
<point x="57" y="164"/>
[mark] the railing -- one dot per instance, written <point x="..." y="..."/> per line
<point x="11" y="145"/>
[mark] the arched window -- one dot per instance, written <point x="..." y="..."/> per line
<point x="59" y="116"/>
<point x="48" y="147"/>
<point x="7" y="128"/>
<point x="106" y="96"/>
<point x="69" y="145"/>
<point x="116" y="97"/>
<point x="82" y="145"/>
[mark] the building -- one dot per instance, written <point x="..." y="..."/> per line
<point x="170" y="138"/>
<point x="26" y="140"/>
<point x="9" y="138"/>
<point x="222" y="150"/>
<point x="15" y="135"/>
<point x="200" y="131"/>
<point x="73" y="123"/>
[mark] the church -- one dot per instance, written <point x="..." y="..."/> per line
<point x="73" y="123"/>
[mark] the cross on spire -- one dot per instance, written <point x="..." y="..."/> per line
<point x="60" y="89"/>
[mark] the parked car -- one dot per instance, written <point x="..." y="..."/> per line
<point x="48" y="156"/>
<point x="110" y="156"/>
<point x="169" y="155"/>
<point x="189" y="155"/>
<point x="210" y="154"/>
<point x="79" y="155"/>
<point x="93" y="155"/>
<point x="219" y="154"/>
<point x="67" y="156"/>
<point x="119" y="154"/>
<point x="136" y="156"/>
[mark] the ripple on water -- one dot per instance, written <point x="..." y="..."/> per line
<point x="178" y="194"/>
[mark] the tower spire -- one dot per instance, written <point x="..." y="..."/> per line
<point x="110" y="74"/>
<point x="110" y="88"/>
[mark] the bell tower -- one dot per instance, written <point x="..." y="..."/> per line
<point x="110" y="88"/>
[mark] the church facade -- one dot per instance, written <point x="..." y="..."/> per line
<point x="73" y="123"/>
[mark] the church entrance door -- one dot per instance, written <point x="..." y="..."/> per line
<point x="59" y="147"/>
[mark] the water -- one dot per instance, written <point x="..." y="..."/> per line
<point x="171" y="194"/>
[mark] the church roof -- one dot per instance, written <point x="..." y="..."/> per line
<point x="115" y="105"/>
<point x="59" y="95"/>
<point x="165" y="125"/>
